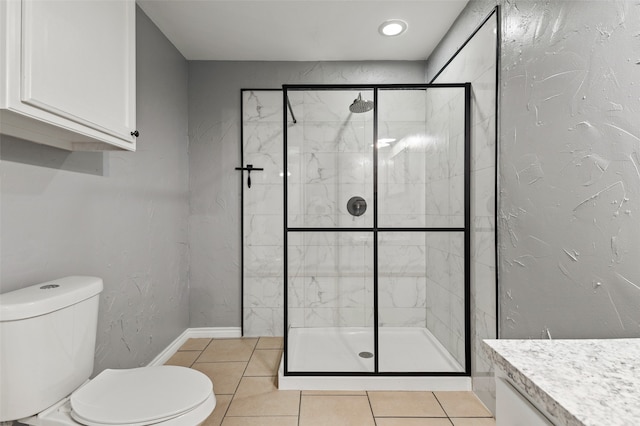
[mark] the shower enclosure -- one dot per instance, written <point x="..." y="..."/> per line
<point x="375" y="228"/>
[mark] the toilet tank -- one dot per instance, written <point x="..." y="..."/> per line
<point x="47" y="343"/>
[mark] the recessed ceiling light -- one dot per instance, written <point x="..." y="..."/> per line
<point x="392" y="27"/>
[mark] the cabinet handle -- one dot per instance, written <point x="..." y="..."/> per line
<point x="135" y="133"/>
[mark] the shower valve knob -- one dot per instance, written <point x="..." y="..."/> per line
<point x="356" y="206"/>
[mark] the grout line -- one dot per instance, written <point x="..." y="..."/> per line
<point x="375" y="422"/>
<point x="208" y="344"/>
<point x="299" y="406"/>
<point x="450" y="419"/>
<point x="239" y="381"/>
<point x="261" y="416"/>
<point x="202" y="351"/>
<point x="227" y="410"/>
<point x="441" y="406"/>
<point x="244" y="371"/>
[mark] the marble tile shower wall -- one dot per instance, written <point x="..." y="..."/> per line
<point x="402" y="171"/>
<point x="330" y="159"/>
<point x="402" y="260"/>
<point x="331" y="280"/>
<point x="262" y="220"/>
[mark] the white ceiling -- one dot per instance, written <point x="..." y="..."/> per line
<point x="301" y="30"/>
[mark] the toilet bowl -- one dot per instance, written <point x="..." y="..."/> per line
<point x="46" y="357"/>
<point x="142" y="396"/>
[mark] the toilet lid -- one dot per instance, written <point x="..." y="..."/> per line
<point x="139" y="396"/>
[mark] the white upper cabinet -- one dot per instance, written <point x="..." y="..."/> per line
<point x="67" y="69"/>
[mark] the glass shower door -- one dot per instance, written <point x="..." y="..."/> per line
<point x="377" y="230"/>
<point x="421" y="230"/>
<point x="330" y="257"/>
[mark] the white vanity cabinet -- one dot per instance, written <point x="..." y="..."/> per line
<point x="515" y="409"/>
<point x="67" y="70"/>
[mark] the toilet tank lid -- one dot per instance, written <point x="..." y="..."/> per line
<point x="43" y="298"/>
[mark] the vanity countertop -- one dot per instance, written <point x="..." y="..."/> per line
<point x="579" y="382"/>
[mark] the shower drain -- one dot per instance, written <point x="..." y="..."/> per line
<point x="365" y="355"/>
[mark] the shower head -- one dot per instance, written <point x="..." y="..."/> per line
<point x="359" y="105"/>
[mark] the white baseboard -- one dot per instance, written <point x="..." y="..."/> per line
<point x="213" y="332"/>
<point x="194" y="333"/>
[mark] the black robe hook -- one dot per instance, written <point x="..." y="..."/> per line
<point x="249" y="169"/>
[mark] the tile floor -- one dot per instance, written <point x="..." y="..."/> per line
<point x="244" y="374"/>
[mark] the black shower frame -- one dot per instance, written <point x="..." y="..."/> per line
<point x="375" y="229"/>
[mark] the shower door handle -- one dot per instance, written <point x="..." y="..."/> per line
<point x="249" y="169"/>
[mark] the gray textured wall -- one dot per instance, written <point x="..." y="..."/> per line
<point x="569" y="166"/>
<point x="121" y="216"/>
<point x="214" y="134"/>
<point x="570" y="169"/>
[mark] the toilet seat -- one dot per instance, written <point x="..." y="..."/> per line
<point x="140" y="396"/>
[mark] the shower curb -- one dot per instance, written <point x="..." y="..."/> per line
<point x="372" y="383"/>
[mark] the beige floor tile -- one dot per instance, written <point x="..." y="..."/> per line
<point x="264" y="362"/>
<point x="222" y="403"/>
<point x="184" y="358"/>
<point x="195" y="344"/>
<point x="221" y="350"/>
<point x="261" y="421"/>
<point x="335" y="410"/>
<point x="412" y="421"/>
<point x="224" y="375"/>
<point x="258" y="396"/>
<point x="270" y="343"/>
<point x="469" y="421"/>
<point x="405" y="404"/>
<point x="462" y="404"/>
<point x="333" y="392"/>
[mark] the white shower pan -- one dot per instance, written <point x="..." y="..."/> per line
<point x="337" y="350"/>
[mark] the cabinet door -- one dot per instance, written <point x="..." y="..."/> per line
<point x="78" y="62"/>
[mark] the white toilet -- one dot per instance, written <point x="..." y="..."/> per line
<point x="47" y="345"/>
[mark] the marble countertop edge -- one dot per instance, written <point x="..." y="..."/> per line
<point x="581" y="382"/>
<point x="535" y="392"/>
